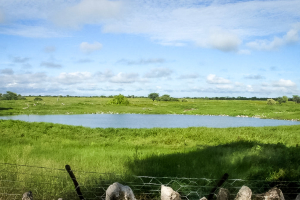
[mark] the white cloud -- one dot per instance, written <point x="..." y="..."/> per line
<point x="213" y="79"/>
<point x="87" y="12"/>
<point x="103" y="76"/>
<point x="88" y="48"/>
<point x="292" y="36"/>
<point x="142" y="61"/>
<point x="224" y="41"/>
<point x="166" y="22"/>
<point x="284" y="83"/>
<point x="7" y="71"/>
<point x="253" y="76"/>
<point x="124" y="78"/>
<point x="49" y="49"/>
<point x="188" y="76"/>
<point x="1" y="17"/>
<point x="73" y="78"/>
<point x="50" y="65"/>
<point x="158" y="73"/>
<point x="19" y="59"/>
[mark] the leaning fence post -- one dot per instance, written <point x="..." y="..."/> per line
<point x="221" y="181"/>
<point x="68" y="168"/>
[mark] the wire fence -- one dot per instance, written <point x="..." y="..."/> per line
<point x="49" y="183"/>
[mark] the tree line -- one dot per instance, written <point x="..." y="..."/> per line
<point x="11" y="96"/>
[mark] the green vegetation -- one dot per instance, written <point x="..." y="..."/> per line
<point x="119" y="100"/>
<point x="296" y="98"/>
<point x="264" y="153"/>
<point x="271" y="102"/>
<point x="11" y="96"/>
<point x="89" y="105"/>
<point x="153" y="96"/>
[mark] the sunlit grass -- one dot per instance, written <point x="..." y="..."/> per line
<point x="86" y="105"/>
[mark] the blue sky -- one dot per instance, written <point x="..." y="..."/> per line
<point x="185" y="48"/>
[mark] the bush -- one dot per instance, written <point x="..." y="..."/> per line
<point x="184" y="100"/>
<point x="285" y="99"/>
<point x="165" y="97"/>
<point x="37" y="99"/>
<point x="296" y="98"/>
<point x="280" y="100"/>
<point x="119" y="100"/>
<point x="271" y="102"/>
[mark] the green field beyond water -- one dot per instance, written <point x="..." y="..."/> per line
<point x="85" y="105"/>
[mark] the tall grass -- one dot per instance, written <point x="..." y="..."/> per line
<point x="245" y="152"/>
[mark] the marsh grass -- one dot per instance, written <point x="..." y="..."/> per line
<point x="89" y="105"/>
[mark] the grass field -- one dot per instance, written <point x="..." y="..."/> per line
<point x="259" y="153"/>
<point x="247" y="152"/>
<point x="86" y="105"/>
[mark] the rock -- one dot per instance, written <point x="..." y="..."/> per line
<point x="273" y="194"/>
<point x="60" y="199"/>
<point x="298" y="197"/>
<point x="203" y="198"/>
<point x="167" y="193"/>
<point x="223" y="194"/>
<point x="117" y="191"/>
<point x="27" y="196"/>
<point x="244" y="193"/>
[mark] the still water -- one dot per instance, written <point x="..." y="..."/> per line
<point x="150" y="121"/>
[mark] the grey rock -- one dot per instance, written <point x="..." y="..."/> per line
<point x="244" y="193"/>
<point x="203" y="198"/>
<point x="27" y="196"/>
<point x="273" y="194"/>
<point x="223" y="194"/>
<point x="117" y="191"/>
<point x="167" y="193"/>
<point x="298" y="197"/>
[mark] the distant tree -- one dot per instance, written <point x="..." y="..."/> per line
<point x="285" y="99"/>
<point x="280" y="100"/>
<point x="10" y="96"/>
<point x="153" y="96"/>
<point x="165" y="97"/>
<point x="296" y="98"/>
<point x="271" y="102"/>
<point x="119" y="100"/>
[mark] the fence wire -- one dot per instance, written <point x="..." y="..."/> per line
<point x="49" y="183"/>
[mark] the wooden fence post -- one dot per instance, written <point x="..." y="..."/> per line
<point x="221" y="181"/>
<point x="68" y="168"/>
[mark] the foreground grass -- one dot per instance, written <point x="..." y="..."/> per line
<point x="85" y="105"/>
<point x="246" y="152"/>
<point x="259" y="153"/>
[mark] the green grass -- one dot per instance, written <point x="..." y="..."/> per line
<point x="247" y="152"/>
<point x="85" y="105"/>
<point x="260" y="153"/>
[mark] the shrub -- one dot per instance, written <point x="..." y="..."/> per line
<point x="165" y="97"/>
<point x="285" y="99"/>
<point x="296" y="98"/>
<point x="280" y="100"/>
<point x="37" y="99"/>
<point x="184" y="100"/>
<point x="119" y="100"/>
<point x="271" y="102"/>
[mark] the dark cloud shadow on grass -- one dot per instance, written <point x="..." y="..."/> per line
<point x="241" y="160"/>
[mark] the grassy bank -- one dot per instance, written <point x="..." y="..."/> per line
<point x="84" y="105"/>
<point x="247" y="152"/>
